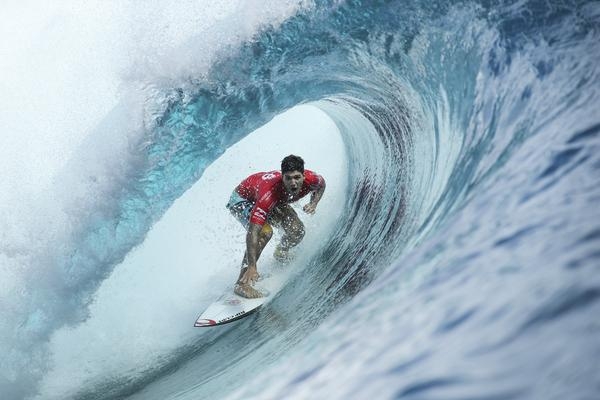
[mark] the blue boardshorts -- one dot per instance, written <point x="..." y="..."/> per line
<point x="240" y="208"/>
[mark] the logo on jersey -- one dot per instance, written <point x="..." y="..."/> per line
<point x="268" y="176"/>
<point x="260" y="214"/>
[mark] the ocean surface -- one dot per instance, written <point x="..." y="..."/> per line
<point x="456" y="252"/>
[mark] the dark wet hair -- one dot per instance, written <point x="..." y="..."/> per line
<point x="292" y="163"/>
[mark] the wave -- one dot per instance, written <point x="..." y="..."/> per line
<point x="469" y="132"/>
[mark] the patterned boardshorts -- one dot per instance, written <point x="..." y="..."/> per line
<point x="240" y="208"/>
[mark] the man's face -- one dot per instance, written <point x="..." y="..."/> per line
<point x="292" y="182"/>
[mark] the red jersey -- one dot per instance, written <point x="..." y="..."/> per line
<point x="265" y="190"/>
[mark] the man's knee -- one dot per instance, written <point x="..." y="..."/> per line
<point x="296" y="230"/>
<point x="266" y="233"/>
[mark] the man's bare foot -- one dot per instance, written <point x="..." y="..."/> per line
<point x="247" y="291"/>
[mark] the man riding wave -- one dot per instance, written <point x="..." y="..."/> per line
<point x="261" y="201"/>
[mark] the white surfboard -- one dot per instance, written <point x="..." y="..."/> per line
<point x="231" y="307"/>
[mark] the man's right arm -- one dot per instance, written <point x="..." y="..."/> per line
<point x="252" y="248"/>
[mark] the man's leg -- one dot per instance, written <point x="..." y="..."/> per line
<point x="264" y="236"/>
<point x="286" y="218"/>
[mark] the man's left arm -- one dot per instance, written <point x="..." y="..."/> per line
<point x="315" y="197"/>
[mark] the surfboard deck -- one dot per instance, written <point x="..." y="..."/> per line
<point x="230" y="307"/>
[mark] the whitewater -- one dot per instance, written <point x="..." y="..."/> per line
<point x="455" y="254"/>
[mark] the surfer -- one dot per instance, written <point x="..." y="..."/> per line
<point x="261" y="201"/>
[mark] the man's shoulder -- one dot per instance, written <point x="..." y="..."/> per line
<point x="267" y="181"/>
<point x="313" y="178"/>
<point x="270" y="175"/>
<point x="264" y="176"/>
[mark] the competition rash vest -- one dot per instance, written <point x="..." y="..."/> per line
<point x="265" y="190"/>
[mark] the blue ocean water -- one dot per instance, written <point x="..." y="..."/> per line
<point x="465" y="263"/>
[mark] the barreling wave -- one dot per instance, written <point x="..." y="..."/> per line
<point x="448" y="113"/>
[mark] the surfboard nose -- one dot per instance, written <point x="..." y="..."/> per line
<point x="204" y="322"/>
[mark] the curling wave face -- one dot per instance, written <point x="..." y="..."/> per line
<point x="469" y="233"/>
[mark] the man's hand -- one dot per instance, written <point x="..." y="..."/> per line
<point x="310" y="208"/>
<point x="250" y="276"/>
